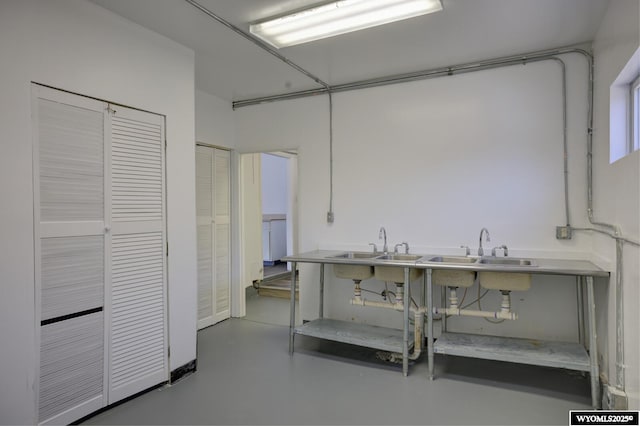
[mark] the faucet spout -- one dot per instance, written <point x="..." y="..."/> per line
<point x="480" y="249"/>
<point x="383" y="235"/>
<point x="406" y="247"/>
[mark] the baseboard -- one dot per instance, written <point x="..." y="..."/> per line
<point x="183" y="371"/>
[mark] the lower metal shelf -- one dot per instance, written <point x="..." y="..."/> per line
<point x="370" y="336"/>
<point x="572" y="356"/>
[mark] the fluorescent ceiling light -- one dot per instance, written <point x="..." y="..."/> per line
<point x="338" y="17"/>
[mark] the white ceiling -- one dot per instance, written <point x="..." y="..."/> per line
<point x="233" y="68"/>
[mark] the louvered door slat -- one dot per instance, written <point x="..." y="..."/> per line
<point x="127" y="148"/>
<point x="72" y="275"/>
<point x="222" y="183"/>
<point x="71" y="364"/>
<point x="69" y="191"/>
<point x="222" y="269"/>
<point x="205" y="271"/>
<point x="136" y="148"/>
<point x="134" y="311"/>
<point x="138" y="294"/>
<point x="71" y="153"/>
<point x="135" y="338"/>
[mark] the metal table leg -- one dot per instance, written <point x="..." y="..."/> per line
<point x="580" y="297"/>
<point x="423" y="299"/>
<point x="405" y="335"/>
<point x="443" y="304"/>
<point x="593" y="347"/>
<point x="321" y="303"/>
<point x="429" y="306"/>
<point x="292" y="308"/>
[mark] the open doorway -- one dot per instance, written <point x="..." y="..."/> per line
<point x="269" y="216"/>
<point x="277" y="226"/>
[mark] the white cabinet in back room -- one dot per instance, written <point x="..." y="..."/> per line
<point x="274" y="237"/>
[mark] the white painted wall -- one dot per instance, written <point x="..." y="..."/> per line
<point x="214" y="120"/>
<point x="435" y="161"/>
<point x="77" y="46"/>
<point x="274" y="184"/>
<point x="617" y="188"/>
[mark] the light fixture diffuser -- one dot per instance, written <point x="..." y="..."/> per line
<point x="338" y="17"/>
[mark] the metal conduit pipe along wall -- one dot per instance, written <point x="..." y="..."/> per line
<point x="614" y="231"/>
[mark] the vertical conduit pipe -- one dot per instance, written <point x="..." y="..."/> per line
<point x="330" y="213"/>
<point x="565" y="143"/>
<point x="264" y="46"/>
<point x="620" y="367"/>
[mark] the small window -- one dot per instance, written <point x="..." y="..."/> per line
<point x="634" y="141"/>
<point x="624" y="111"/>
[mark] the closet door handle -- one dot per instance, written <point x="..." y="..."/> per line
<point x="107" y="229"/>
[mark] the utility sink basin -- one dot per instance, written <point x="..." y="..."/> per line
<point x="396" y="273"/>
<point x="353" y="272"/>
<point x="399" y="257"/>
<point x="452" y="259"/>
<point x="451" y="278"/>
<point x="506" y="281"/>
<point x="507" y="261"/>
<point x="355" y="255"/>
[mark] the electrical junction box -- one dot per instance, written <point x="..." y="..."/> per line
<point x="563" y="232"/>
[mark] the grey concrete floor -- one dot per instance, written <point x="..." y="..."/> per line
<point x="246" y="376"/>
<point x="268" y="310"/>
<point x="277" y="269"/>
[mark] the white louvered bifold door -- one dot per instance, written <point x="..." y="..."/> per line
<point x="138" y="333"/>
<point x="69" y="152"/>
<point x="204" y="212"/>
<point x="213" y="214"/>
<point x="222" y="234"/>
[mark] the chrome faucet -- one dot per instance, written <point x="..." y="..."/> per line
<point x="480" y="249"/>
<point x="406" y="247"/>
<point x="467" y="250"/>
<point x="383" y="234"/>
<point x="375" y="247"/>
<point x="503" y="247"/>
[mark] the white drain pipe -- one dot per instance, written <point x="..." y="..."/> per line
<point x="454" y="309"/>
<point x="475" y="313"/>
<point x="418" y="315"/>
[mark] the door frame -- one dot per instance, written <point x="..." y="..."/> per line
<point x="293" y="234"/>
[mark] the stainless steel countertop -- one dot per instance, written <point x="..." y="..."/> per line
<point x="543" y="266"/>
